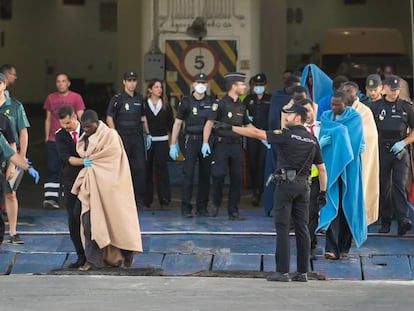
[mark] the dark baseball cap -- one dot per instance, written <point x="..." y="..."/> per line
<point x="300" y="110"/>
<point x="260" y="79"/>
<point x="200" y="77"/>
<point x="233" y="77"/>
<point x="130" y="75"/>
<point x="393" y="82"/>
<point x="373" y="81"/>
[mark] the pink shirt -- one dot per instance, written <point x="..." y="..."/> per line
<point x="52" y="104"/>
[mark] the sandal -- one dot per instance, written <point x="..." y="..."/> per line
<point x="330" y="255"/>
<point x="86" y="267"/>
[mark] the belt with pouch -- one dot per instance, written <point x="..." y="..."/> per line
<point x="229" y="140"/>
<point x="288" y="176"/>
<point x="194" y="136"/>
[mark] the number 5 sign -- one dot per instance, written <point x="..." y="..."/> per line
<point x="199" y="57"/>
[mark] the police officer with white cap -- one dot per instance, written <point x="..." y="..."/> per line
<point x="227" y="145"/>
<point x="125" y="113"/>
<point x="258" y="104"/>
<point x="193" y="110"/>
<point x="394" y="118"/>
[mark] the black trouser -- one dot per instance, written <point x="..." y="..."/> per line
<point x="227" y="156"/>
<point x="256" y="154"/>
<point x="157" y="164"/>
<point x="192" y="153"/>
<point x="54" y="170"/>
<point x="393" y="180"/>
<point x="94" y="254"/>
<point x="291" y="201"/>
<point x="338" y="235"/>
<point x="314" y="209"/>
<point x="73" y="208"/>
<point x="135" y="150"/>
<point x="2" y="227"/>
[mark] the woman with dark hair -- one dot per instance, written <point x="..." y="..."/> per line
<point x="160" y="121"/>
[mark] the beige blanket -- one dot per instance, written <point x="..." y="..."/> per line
<point x="105" y="189"/>
<point x="370" y="163"/>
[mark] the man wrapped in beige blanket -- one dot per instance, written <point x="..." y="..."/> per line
<point x="110" y="228"/>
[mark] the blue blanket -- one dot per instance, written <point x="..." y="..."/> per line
<point x="322" y="84"/>
<point x="342" y="159"/>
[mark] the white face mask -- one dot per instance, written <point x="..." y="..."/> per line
<point x="200" y="88"/>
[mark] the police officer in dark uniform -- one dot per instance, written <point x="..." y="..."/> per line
<point x="297" y="151"/>
<point x="125" y="113"/>
<point x="258" y="104"/>
<point x="227" y="146"/>
<point x="193" y="110"/>
<point x="394" y="117"/>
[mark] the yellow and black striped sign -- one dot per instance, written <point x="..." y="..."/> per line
<point x="185" y="58"/>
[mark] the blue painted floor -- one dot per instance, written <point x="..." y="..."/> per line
<point x="205" y="246"/>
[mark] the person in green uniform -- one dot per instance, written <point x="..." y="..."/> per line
<point x="8" y="154"/>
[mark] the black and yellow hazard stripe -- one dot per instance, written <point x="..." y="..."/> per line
<point x="178" y="84"/>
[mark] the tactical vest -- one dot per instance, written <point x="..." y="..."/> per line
<point x="128" y="116"/>
<point x="231" y="113"/>
<point x="198" y="113"/>
<point x="392" y="122"/>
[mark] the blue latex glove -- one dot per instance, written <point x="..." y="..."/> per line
<point x="250" y="118"/>
<point x="205" y="150"/>
<point x="398" y="146"/>
<point x="34" y="174"/>
<point x="267" y="145"/>
<point x="362" y="148"/>
<point x="325" y="141"/>
<point x="148" y="141"/>
<point x="87" y="162"/>
<point x="174" y="150"/>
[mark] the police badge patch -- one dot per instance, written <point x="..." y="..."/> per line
<point x="214" y="107"/>
<point x="277" y="132"/>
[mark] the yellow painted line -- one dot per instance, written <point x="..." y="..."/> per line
<point x="21" y="223"/>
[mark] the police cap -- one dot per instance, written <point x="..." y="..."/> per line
<point x="393" y="82"/>
<point x="233" y="77"/>
<point x="260" y="79"/>
<point x="300" y="110"/>
<point x="200" y="77"/>
<point x="2" y="77"/>
<point x="373" y="81"/>
<point x="130" y="75"/>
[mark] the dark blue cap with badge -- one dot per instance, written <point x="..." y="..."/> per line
<point x="130" y="75"/>
<point x="393" y="82"/>
<point x="233" y="77"/>
<point x="200" y="77"/>
<point x="260" y="79"/>
<point x="300" y="110"/>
